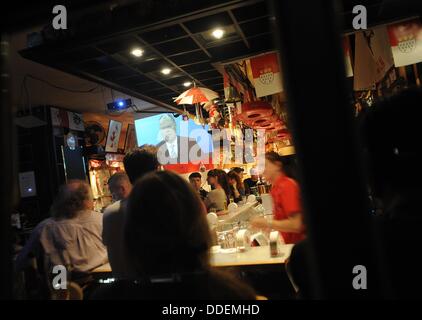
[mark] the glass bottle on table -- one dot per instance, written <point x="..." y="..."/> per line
<point x="231" y="199"/>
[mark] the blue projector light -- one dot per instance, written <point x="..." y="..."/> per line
<point x="119" y="105"/>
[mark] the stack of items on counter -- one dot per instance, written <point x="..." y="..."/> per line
<point x="99" y="173"/>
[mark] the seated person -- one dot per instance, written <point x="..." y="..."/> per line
<point x="251" y="182"/>
<point x="238" y="192"/>
<point x="195" y="179"/>
<point x="119" y="186"/>
<point x="72" y="236"/>
<point x="168" y="242"/>
<point x="137" y="163"/>
<point x="219" y="197"/>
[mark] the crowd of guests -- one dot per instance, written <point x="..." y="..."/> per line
<point x="156" y="237"/>
<point x="155" y="229"/>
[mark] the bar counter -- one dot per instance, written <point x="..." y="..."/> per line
<point x="254" y="256"/>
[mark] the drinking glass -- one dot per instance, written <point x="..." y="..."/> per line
<point x="226" y="236"/>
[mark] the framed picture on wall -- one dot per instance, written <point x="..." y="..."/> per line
<point x="130" y="141"/>
<point x="113" y="136"/>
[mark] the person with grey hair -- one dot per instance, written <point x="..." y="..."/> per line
<point x="72" y="236"/>
<point x="174" y="149"/>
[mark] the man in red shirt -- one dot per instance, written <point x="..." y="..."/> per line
<point x="287" y="210"/>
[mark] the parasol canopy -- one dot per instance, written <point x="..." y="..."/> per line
<point x="196" y="95"/>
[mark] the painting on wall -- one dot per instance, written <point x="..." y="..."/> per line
<point x="113" y="136"/>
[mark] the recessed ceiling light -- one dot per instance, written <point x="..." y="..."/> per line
<point x="218" y="33"/>
<point x="137" y="52"/>
<point x="165" y="71"/>
<point x="187" y="83"/>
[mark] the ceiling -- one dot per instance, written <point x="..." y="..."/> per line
<point x="43" y="92"/>
<point x="184" y="45"/>
<point x="175" y="35"/>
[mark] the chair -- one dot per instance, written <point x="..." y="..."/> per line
<point x="289" y="275"/>
<point x="73" y="292"/>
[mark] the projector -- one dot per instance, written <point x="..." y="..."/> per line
<point x="119" y="105"/>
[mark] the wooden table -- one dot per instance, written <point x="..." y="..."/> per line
<point x="254" y="256"/>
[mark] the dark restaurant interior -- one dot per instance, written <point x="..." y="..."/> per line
<point x="211" y="150"/>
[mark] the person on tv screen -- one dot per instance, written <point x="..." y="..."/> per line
<point x="175" y="149"/>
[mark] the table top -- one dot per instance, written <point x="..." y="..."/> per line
<point x="254" y="256"/>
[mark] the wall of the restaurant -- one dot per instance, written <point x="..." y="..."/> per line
<point x="104" y="119"/>
<point x="41" y="149"/>
<point x="36" y="153"/>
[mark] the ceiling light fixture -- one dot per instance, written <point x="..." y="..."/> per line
<point x="187" y="83"/>
<point x="165" y="71"/>
<point x="218" y="33"/>
<point x="137" y="52"/>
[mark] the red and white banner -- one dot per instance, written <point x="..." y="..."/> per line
<point x="266" y="75"/>
<point x="406" y="42"/>
<point x="67" y="119"/>
<point x="373" y="57"/>
<point x="59" y="118"/>
<point x="347" y="58"/>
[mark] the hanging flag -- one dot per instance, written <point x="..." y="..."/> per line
<point x="406" y="42"/>
<point x="364" y="64"/>
<point x="373" y="58"/>
<point x="59" y="118"/>
<point x="266" y="75"/>
<point x="226" y="79"/>
<point x="381" y="51"/>
<point x="347" y="58"/>
<point x="75" y="121"/>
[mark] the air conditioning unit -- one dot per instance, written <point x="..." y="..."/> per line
<point x="28" y="120"/>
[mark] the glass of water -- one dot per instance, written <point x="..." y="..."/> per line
<point x="226" y="237"/>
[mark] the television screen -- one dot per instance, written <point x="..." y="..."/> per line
<point x="178" y="140"/>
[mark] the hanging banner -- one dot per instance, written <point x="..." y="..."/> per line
<point x="59" y="118"/>
<point x="347" y="58"/>
<point x="406" y="42"/>
<point x="75" y="121"/>
<point x="67" y="119"/>
<point x="381" y="50"/>
<point x="113" y="136"/>
<point x="364" y="64"/>
<point x="266" y="75"/>
<point x="373" y="57"/>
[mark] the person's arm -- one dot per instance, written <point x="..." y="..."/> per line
<point x="292" y="224"/>
<point x="208" y="201"/>
<point x="290" y="200"/>
<point x="236" y="194"/>
<point x="31" y="249"/>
